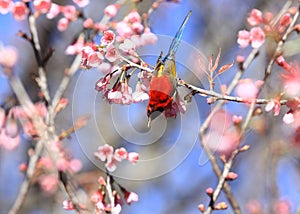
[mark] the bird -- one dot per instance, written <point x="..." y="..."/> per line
<point x="163" y="84"/>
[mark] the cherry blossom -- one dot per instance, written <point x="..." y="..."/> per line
<point x="133" y="157"/>
<point x="105" y="67"/>
<point x="102" y="83"/>
<point x="68" y="205"/>
<point x="111" y="10"/>
<point x="63" y="24"/>
<point x="244" y="38"/>
<point x="42" y="6"/>
<point x="111" y="54"/>
<point x="130" y="197"/>
<point x="139" y="95"/>
<point x="88" y="23"/>
<point x="20" y="10"/>
<point x="127" y="46"/>
<point x="124" y="30"/>
<point x="8" y="56"/>
<point x="148" y="37"/>
<point x="257" y="37"/>
<point x="54" y="11"/>
<point x="7" y="142"/>
<point x="5" y="6"/>
<point x="247" y="89"/>
<point x="69" y="11"/>
<point x="255" y="17"/>
<point x="48" y="183"/>
<point x="285" y="20"/>
<point x="275" y="105"/>
<point x="120" y="154"/>
<point x="81" y="3"/>
<point x="108" y="37"/>
<point x="104" y="152"/>
<point x="133" y="17"/>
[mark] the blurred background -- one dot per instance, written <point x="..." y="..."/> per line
<point x="173" y="172"/>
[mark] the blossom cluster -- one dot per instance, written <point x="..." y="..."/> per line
<point x="262" y="25"/>
<point x="9" y="129"/>
<point x="46" y="169"/>
<point x="99" y="198"/>
<point x="21" y="9"/>
<point x="111" y="157"/>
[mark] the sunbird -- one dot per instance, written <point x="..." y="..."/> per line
<point x="163" y="84"/>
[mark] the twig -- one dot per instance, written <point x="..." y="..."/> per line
<point x="218" y="96"/>
<point x="37" y="50"/>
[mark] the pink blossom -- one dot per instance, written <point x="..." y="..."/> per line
<point x="105" y="67"/>
<point x="75" y="165"/>
<point x="117" y="209"/>
<point x="148" y="37"/>
<point x="137" y="27"/>
<point x="255" y="17"/>
<point x="81" y="3"/>
<point x="11" y="127"/>
<point x="100" y="27"/>
<point x="132" y="17"/>
<point x="244" y="38"/>
<point x="222" y="142"/>
<point x="5" y="6"/>
<point x="111" y="53"/>
<point x="288" y="118"/>
<point x="96" y="197"/>
<point x="46" y="163"/>
<point x="282" y="207"/>
<point x="139" y="95"/>
<point x="120" y="154"/>
<point x="240" y="59"/>
<point x="247" y="89"/>
<point x="257" y="37"/>
<point x="8" y="56"/>
<point x="111" y="164"/>
<point x="20" y="11"/>
<point x="62" y="164"/>
<point x="42" y="6"/>
<point x="49" y="183"/>
<point x="100" y="207"/>
<point x="88" y="23"/>
<point x="68" y="205"/>
<point x="133" y="157"/>
<point x="285" y="20"/>
<point x="111" y="10"/>
<point x="101" y="181"/>
<point x="8" y="142"/>
<point x="69" y="12"/>
<point x="54" y="11"/>
<point x="75" y="48"/>
<point x="102" y="83"/>
<point x="114" y="96"/>
<point x="237" y="119"/>
<point x="104" y="152"/>
<point x="123" y="29"/>
<point x="291" y="79"/>
<point x="127" y="46"/>
<point x="131" y="197"/>
<point x="94" y="59"/>
<point x="275" y="105"/>
<point x="63" y="24"/>
<point x="108" y="37"/>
